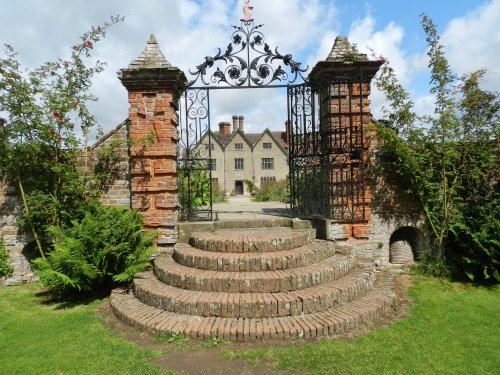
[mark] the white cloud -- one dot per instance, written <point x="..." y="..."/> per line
<point x="386" y="42"/>
<point x="473" y="42"/>
<point x="189" y="30"/>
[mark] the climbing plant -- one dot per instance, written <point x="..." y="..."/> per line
<point x="448" y="163"/>
<point x="5" y="266"/>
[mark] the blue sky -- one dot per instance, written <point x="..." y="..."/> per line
<point x="187" y="31"/>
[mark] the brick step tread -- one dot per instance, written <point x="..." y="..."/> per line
<point x="252" y="240"/>
<point x="153" y="292"/>
<point x="237" y="262"/>
<point x="184" y="277"/>
<point x="338" y="319"/>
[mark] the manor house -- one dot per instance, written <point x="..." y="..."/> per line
<point x="237" y="156"/>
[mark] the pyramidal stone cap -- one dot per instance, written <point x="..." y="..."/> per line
<point x="151" y="69"/>
<point x="343" y="51"/>
<point x="150" y="58"/>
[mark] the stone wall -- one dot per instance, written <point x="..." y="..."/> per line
<point x="16" y="241"/>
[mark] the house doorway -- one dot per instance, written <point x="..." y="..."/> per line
<point x="238" y="187"/>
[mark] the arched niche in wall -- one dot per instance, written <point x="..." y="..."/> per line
<point x="406" y="245"/>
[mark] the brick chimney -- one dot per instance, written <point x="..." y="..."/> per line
<point x="242" y="123"/>
<point x="224" y="128"/>
<point x="236" y="123"/>
<point x="154" y="87"/>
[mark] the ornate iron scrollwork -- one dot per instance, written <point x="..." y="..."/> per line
<point x="248" y="62"/>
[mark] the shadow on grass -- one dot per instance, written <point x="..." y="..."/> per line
<point x="64" y="302"/>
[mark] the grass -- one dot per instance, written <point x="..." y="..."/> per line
<point x="51" y="338"/>
<point x="452" y="329"/>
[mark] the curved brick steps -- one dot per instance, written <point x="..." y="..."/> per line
<point x="334" y="320"/>
<point x="252" y="240"/>
<point x="252" y="305"/>
<point x="313" y="252"/>
<point x="183" y="277"/>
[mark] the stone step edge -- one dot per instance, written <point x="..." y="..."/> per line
<point x="313" y="252"/>
<point x="186" y="229"/>
<point x="153" y="292"/>
<point x="336" y="320"/>
<point x="215" y="241"/>
<point x="171" y="273"/>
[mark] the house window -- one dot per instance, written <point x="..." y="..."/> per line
<point x="213" y="164"/>
<point x="238" y="164"/>
<point x="209" y="146"/>
<point x="267" y="164"/>
<point x="264" y="180"/>
<point x="267" y="145"/>
<point x="238" y="146"/>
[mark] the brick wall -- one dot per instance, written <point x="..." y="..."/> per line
<point x="153" y="135"/>
<point x="117" y="193"/>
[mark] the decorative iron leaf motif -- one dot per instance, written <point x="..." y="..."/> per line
<point x="237" y="39"/>
<point x="263" y="71"/>
<point x="247" y="40"/>
<point x="219" y="76"/>
<point x="234" y="72"/>
<point x="279" y="74"/>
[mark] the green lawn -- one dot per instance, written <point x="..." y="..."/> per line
<point x="452" y="329"/>
<point x="37" y="338"/>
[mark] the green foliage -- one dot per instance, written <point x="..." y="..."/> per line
<point x="273" y="191"/>
<point x="213" y="342"/>
<point x="171" y="338"/>
<point x="250" y="186"/>
<point x="218" y="196"/>
<point x="194" y="184"/>
<point x="474" y="247"/>
<point x="448" y="163"/>
<point x="48" y="122"/>
<point x="5" y="266"/>
<point x="107" y="246"/>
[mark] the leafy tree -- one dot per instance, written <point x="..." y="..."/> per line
<point x="47" y="125"/>
<point x="448" y="163"/>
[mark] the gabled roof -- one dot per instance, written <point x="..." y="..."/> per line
<point x="252" y="138"/>
<point x="277" y="137"/>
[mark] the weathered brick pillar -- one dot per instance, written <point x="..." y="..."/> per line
<point x="344" y="84"/>
<point x="154" y="87"/>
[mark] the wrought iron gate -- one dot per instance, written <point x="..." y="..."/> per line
<point x="326" y="151"/>
<point x="194" y="162"/>
<point x="248" y="62"/>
